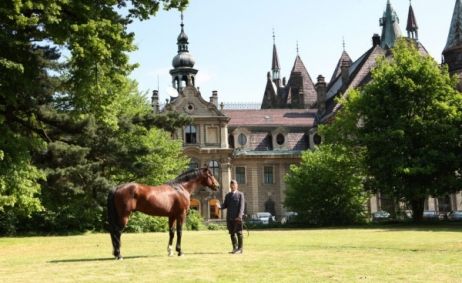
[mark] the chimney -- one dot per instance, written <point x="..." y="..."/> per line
<point x="344" y="66"/>
<point x="375" y="40"/>
<point x="284" y="81"/>
<point x="155" y="101"/>
<point x="214" y="98"/>
<point x="321" y="89"/>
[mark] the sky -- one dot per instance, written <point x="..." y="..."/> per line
<point x="232" y="41"/>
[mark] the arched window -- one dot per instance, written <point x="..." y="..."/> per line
<point x="190" y="134"/>
<point x="195" y="204"/>
<point x="215" y="212"/>
<point x="214" y="166"/>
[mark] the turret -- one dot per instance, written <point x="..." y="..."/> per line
<point x="183" y="73"/>
<point x="390" y="30"/>
<point x="411" y="26"/>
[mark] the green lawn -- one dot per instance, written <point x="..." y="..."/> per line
<point x="427" y="254"/>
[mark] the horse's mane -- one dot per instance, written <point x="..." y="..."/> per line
<point x="185" y="176"/>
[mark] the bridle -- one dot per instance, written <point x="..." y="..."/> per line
<point x="211" y="179"/>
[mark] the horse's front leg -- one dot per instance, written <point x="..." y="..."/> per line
<point x="179" y="233"/>
<point x="171" y="232"/>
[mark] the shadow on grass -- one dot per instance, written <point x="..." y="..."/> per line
<point x="95" y="259"/>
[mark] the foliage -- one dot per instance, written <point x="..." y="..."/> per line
<point x="140" y="222"/>
<point x="326" y="187"/>
<point x="410" y="125"/>
<point x="216" y="226"/>
<point x="194" y="221"/>
<point x="65" y="112"/>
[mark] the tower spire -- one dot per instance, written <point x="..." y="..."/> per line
<point x="275" y="62"/>
<point x="183" y="73"/>
<point x="455" y="30"/>
<point x="412" y="27"/>
<point x="390" y="24"/>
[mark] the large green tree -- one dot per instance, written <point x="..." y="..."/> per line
<point x="408" y="119"/>
<point x="63" y="66"/>
<point x="326" y="187"/>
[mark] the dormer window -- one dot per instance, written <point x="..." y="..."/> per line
<point x="280" y="139"/>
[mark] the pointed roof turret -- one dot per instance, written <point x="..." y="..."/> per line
<point x="390" y="24"/>
<point x="275" y="68"/>
<point x="455" y="30"/>
<point x="412" y="27"/>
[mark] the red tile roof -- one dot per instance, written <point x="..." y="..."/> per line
<point x="271" y="117"/>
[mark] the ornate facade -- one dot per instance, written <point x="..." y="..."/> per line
<point x="257" y="147"/>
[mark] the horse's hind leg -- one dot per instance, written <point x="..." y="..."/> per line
<point x="171" y="233"/>
<point x="179" y="232"/>
<point x="115" y="237"/>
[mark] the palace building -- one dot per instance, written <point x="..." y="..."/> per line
<point x="257" y="146"/>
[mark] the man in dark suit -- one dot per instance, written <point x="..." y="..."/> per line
<point x="235" y="203"/>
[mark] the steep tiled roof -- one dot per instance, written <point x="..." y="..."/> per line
<point x="337" y="71"/>
<point x="308" y="89"/>
<point x="271" y="117"/>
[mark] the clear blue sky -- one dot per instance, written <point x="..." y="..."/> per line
<point x="232" y="41"/>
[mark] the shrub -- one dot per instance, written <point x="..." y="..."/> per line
<point x="140" y="222"/>
<point x="194" y="221"/>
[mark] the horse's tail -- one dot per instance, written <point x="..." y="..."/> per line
<point x="112" y="215"/>
<point x="114" y="228"/>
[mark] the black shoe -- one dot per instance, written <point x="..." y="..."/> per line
<point x="238" y="251"/>
<point x="233" y="251"/>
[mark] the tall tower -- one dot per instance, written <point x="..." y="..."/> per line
<point x="183" y="73"/>
<point x="411" y="26"/>
<point x="452" y="53"/>
<point x="390" y="30"/>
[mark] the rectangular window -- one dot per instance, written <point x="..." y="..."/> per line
<point x="240" y="175"/>
<point x="190" y="134"/>
<point x="268" y="175"/>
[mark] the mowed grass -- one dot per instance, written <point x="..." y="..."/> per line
<point x="426" y="254"/>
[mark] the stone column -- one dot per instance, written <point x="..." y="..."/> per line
<point x="254" y="184"/>
<point x="283" y="169"/>
<point x="224" y="135"/>
<point x="201" y="129"/>
<point x="225" y="179"/>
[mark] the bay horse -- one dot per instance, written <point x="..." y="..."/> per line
<point x="171" y="199"/>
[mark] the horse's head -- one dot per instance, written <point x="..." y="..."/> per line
<point x="209" y="180"/>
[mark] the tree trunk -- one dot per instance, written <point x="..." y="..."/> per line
<point x="417" y="206"/>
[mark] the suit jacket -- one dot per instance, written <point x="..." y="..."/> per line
<point x="235" y="203"/>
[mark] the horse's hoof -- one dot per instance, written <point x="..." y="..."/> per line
<point x="119" y="257"/>
<point x="170" y="254"/>
<point x="180" y="254"/>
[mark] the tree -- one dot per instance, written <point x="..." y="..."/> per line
<point x="326" y="187"/>
<point x="82" y="167"/>
<point x="409" y="123"/>
<point x="62" y="66"/>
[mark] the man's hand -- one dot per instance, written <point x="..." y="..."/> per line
<point x="238" y="219"/>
